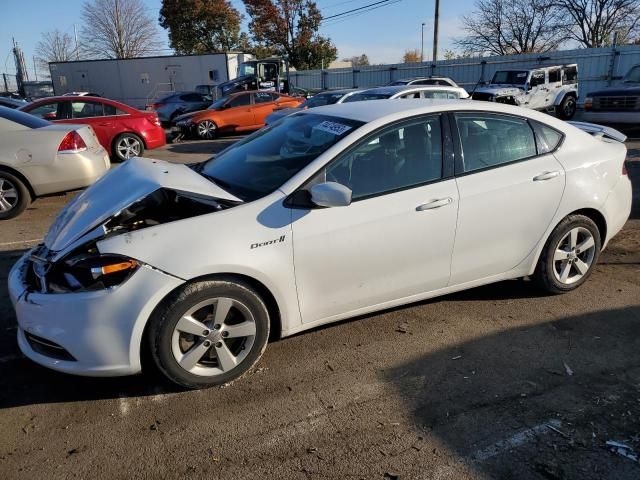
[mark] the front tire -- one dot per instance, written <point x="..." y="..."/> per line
<point x="567" y="108"/>
<point x="209" y="333"/>
<point x="127" y="145"/>
<point x="569" y="256"/>
<point x="14" y="196"/>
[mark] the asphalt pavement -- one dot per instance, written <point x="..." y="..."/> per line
<point x="500" y="382"/>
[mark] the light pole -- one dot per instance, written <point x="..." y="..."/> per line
<point x="435" y="31"/>
<point x="422" y="44"/>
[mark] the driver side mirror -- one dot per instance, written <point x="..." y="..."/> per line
<point x="330" y="194"/>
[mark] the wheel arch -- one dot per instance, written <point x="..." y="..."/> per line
<point x="275" y="322"/>
<point x="561" y="96"/>
<point x="24" y="179"/>
<point x="115" y="137"/>
<point x="597" y="217"/>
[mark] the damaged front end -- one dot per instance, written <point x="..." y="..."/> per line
<point x="140" y="194"/>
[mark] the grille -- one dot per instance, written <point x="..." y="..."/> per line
<point x="482" y="96"/>
<point x="48" y="348"/>
<point x="616" y="104"/>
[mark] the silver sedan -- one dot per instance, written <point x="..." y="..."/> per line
<point x="39" y="158"/>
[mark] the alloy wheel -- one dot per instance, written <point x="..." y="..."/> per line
<point x="213" y="337"/>
<point x="8" y="195"/>
<point x="573" y="256"/>
<point x="206" y="129"/>
<point x="128" y="147"/>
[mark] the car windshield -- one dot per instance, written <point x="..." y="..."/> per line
<point x="262" y="162"/>
<point x="510" y="77"/>
<point x="633" y="75"/>
<point x="322" y="99"/>
<point x="217" y="105"/>
<point x="247" y="69"/>
<point x="399" y="82"/>
<point x="359" y="97"/>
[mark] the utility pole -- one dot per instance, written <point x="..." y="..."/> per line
<point x="436" y="20"/>
<point x="422" y="44"/>
<point x="35" y="70"/>
<point x="75" y="34"/>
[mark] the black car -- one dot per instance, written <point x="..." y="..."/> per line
<point x="619" y="104"/>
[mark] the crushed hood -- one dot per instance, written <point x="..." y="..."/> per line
<point x="119" y="188"/>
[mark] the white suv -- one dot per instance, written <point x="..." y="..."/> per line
<point x="551" y="89"/>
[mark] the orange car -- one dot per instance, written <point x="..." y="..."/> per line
<point x="238" y="112"/>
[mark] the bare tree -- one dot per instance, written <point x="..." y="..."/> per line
<point x="503" y="27"/>
<point x="594" y="22"/>
<point x="54" y="46"/>
<point x="118" y="29"/>
<point x="411" y="56"/>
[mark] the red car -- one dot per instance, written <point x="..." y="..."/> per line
<point x="123" y="131"/>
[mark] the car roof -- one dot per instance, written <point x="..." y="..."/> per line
<point x="394" y="89"/>
<point x="372" y="110"/>
<point x="339" y="91"/>
<point x="429" y="77"/>
<point x="80" y="99"/>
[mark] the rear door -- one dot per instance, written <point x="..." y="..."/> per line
<point x="91" y="112"/>
<point x="509" y="193"/>
<point x="263" y="105"/>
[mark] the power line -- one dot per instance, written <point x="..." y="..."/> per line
<point x="348" y="16"/>
<point x="356" y="9"/>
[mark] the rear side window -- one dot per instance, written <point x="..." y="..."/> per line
<point x="86" y="109"/>
<point x="191" y="97"/>
<point x="555" y="76"/>
<point x="492" y="140"/>
<point x="263" y="97"/>
<point x="570" y="76"/>
<point x="22" y="118"/>
<point x="111" y="110"/>
<point x="548" y="138"/>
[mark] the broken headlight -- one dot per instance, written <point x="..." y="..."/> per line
<point x="89" y="272"/>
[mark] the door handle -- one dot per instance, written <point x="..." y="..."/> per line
<point x="441" y="202"/>
<point x="546" y="176"/>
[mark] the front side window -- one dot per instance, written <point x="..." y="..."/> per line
<point x="399" y="157"/>
<point x="411" y="95"/>
<point x="240" y="100"/>
<point x="492" y="140"/>
<point x="262" y="162"/>
<point x="86" y="109"/>
<point x="537" y="78"/>
<point x="48" y="111"/>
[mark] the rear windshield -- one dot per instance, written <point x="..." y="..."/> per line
<point x="22" y="118"/>
<point x="358" y="97"/>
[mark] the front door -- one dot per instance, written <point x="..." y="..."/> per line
<point x="264" y="103"/>
<point x="395" y="239"/>
<point x="538" y="91"/>
<point x="239" y="113"/>
<point x="509" y="193"/>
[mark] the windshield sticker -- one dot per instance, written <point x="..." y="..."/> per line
<point x="520" y="75"/>
<point x="332" y="127"/>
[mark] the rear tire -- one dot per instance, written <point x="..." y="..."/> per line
<point x="127" y="145"/>
<point x="14" y="196"/>
<point x="209" y="333"/>
<point x="206" y="130"/>
<point x="567" y="108"/>
<point x="569" y="256"/>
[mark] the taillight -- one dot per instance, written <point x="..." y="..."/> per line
<point x="154" y="120"/>
<point x="72" y="143"/>
<point x="624" y="169"/>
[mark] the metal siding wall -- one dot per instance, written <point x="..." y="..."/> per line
<point x="593" y="69"/>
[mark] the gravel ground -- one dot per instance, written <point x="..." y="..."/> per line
<point x="496" y="382"/>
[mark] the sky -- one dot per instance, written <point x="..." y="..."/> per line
<point x="382" y="34"/>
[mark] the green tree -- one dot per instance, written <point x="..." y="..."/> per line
<point x="200" y="26"/>
<point x="290" y="27"/>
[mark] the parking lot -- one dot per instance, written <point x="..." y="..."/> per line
<point x="496" y="382"/>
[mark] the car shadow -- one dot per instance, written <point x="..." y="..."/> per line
<point x="533" y="402"/>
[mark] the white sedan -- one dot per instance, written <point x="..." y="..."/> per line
<point x="39" y="158"/>
<point x="329" y="213"/>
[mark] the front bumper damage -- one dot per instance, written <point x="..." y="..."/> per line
<point x="94" y="333"/>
